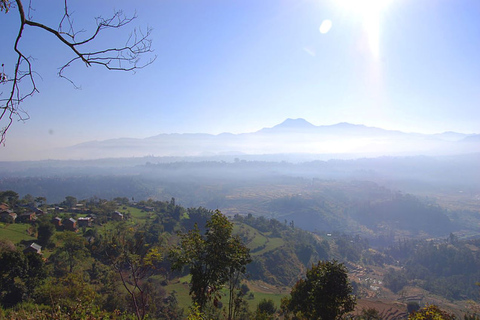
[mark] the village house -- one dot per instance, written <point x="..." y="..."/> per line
<point x="8" y="216"/>
<point x="79" y="207"/>
<point x="59" y="209"/>
<point x="38" y="211"/>
<point x="27" y="217"/>
<point x="57" y="222"/>
<point x="84" y="222"/>
<point x="33" y="247"/>
<point x="70" y="224"/>
<point x="117" y="216"/>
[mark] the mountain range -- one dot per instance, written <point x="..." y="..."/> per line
<point x="293" y="136"/>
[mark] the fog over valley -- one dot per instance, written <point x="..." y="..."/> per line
<point x="292" y="136"/>
<point x="316" y="194"/>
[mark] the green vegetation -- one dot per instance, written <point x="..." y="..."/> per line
<point x="431" y="312"/>
<point x="215" y="259"/>
<point x="448" y="267"/>
<point x="144" y="263"/>
<point x="15" y="232"/>
<point x="325" y="293"/>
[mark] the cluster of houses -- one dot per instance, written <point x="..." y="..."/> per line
<point x="69" y="224"/>
<point x="9" y="216"/>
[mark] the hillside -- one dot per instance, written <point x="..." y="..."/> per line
<point x="409" y="270"/>
<point x="379" y="197"/>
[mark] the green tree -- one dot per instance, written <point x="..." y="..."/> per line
<point x="40" y="201"/>
<point x="265" y="310"/>
<point x="70" y="202"/>
<point x="20" y="274"/>
<point x="134" y="260"/>
<point x="10" y="197"/>
<point x="395" y="280"/>
<point x="412" y="306"/>
<point x="68" y="293"/>
<point x="215" y="259"/>
<point x="71" y="252"/>
<point x="370" y="314"/>
<point x="431" y="312"/>
<point x="28" y="199"/>
<point x="45" y="232"/>
<point x="325" y="293"/>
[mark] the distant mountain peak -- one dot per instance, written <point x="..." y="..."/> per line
<point x="348" y="125"/>
<point x="298" y="123"/>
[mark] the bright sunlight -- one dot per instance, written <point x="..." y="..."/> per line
<point x="369" y="11"/>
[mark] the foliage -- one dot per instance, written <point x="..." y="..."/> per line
<point x="325" y="293"/>
<point x="45" y="232"/>
<point x="115" y="264"/>
<point x="265" y="309"/>
<point x="431" y="312"/>
<point x="81" y="311"/>
<point x="20" y="274"/>
<point x="404" y="212"/>
<point x="413" y="306"/>
<point x="447" y="267"/>
<point x="369" y="314"/>
<point x="280" y="252"/>
<point x="214" y="259"/>
<point x="134" y="261"/>
<point x="70" y="253"/>
<point x="395" y="280"/>
<point x="196" y="313"/>
<point x="10" y="197"/>
<point x="69" y="202"/>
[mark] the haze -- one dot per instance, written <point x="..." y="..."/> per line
<point x="240" y="67"/>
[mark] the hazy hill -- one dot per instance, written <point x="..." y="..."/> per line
<point x="291" y="136"/>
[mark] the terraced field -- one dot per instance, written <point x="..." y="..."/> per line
<point x="259" y="243"/>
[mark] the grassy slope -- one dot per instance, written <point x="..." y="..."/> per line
<point x="15" y="232"/>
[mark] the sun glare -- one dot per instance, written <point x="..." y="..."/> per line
<point x="325" y="26"/>
<point x="369" y="11"/>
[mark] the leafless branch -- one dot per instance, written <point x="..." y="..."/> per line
<point x="22" y="84"/>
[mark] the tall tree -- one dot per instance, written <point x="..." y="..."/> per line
<point x="70" y="253"/>
<point x="40" y="201"/>
<point x="70" y="201"/>
<point x="325" y="293"/>
<point x="10" y="197"/>
<point x="45" y="232"/>
<point x="134" y="260"/>
<point x="431" y="312"/>
<point x="215" y="259"/>
<point x="20" y="274"/>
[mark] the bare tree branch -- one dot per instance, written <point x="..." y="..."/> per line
<point x="122" y="58"/>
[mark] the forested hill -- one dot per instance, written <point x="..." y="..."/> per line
<point x="386" y="197"/>
<point x="280" y="254"/>
<point x="346" y="206"/>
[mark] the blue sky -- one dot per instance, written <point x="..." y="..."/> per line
<point x="239" y="66"/>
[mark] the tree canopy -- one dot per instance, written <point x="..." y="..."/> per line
<point x="215" y="258"/>
<point x="325" y="293"/>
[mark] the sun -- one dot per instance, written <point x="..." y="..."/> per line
<point x="370" y="12"/>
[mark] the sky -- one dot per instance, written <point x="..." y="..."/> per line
<point x="239" y="66"/>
